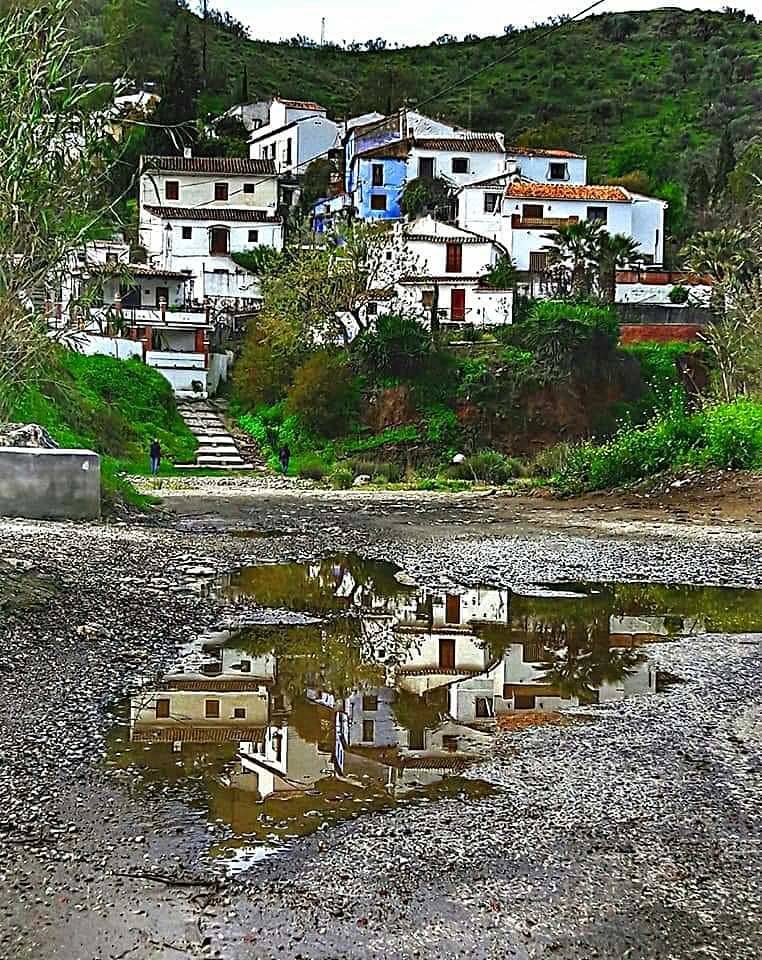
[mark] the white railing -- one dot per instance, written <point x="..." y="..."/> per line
<point x="176" y="359"/>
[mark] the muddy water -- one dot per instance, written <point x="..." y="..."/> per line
<point x="393" y="693"/>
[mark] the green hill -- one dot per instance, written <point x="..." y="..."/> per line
<point x="649" y="92"/>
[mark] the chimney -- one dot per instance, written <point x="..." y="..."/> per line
<point x="187" y="152"/>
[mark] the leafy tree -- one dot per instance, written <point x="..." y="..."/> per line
<point x="50" y="194"/>
<point x="745" y="183"/>
<point x="324" y="393"/>
<point x="613" y="252"/>
<point x="502" y="275"/>
<point x="699" y="188"/>
<point x="619" y="28"/>
<point x="397" y="347"/>
<point x="423" y="195"/>
<point x="316" y="181"/>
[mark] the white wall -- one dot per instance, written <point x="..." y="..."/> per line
<point x="197" y="190"/>
<point x="91" y="345"/>
<point x="538" y="168"/>
<point x="481" y="165"/>
<point x="312" y="137"/>
<point x="648" y="225"/>
<point x="653" y="293"/>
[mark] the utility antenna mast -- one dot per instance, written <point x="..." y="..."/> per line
<point x="322" y="31"/>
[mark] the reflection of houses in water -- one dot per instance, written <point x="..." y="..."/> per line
<point x="224" y="698"/>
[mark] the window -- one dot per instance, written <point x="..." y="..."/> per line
<point x="416" y="739"/>
<point x="598" y="214"/>
<point x="427" y="298"/>
<point x="371" y="309"/>
<point x="249" y="187"/>
<point x="245" y="666"/>
<point x="460" y="164"/>
<point x="377" y="201"/>
<point x="220" y="191"/>
<point x="558" y="171"/>
<point x="278" y="746"/>
<point x="524" y="701"/>
<point x="212" y="709"/>
<point x="112" y="258"/>
<point x="377" y="175"/>
<point x="288" y="151"/>
<point x="370" y="703"/>
<point x="172" y="189"/>
<point x="538" y="262"/>
<point x="450" y="743"/>
<point x="187" y="233"/>
<point x="219" y="240"/>
<point x="452" y="608"/>
<point x="454" y="262"/>
<point x="162" y="709"/>
<point x="532" y="211"/>
<point x="253" y="236"/>
<point x="426" y="167"/>
<point x="239" y="713"/>
<point x="162" y="294"/>
<point x="368" y="731"/>
<point x="491" y="202"/>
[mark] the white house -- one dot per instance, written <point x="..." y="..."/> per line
<point x="296" y="133"/>
<point x="450" y="266"/>
<point x="547" y="166"/>
<point x="195" y="212"/>
<point x="527" y="211"/>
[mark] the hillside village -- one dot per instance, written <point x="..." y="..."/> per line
<point x="196" y="213"/>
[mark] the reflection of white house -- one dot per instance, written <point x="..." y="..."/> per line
<point x="195" y="212"/>
<point x="284" y="762"/>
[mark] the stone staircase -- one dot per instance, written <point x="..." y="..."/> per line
<point x="217" y="449"/>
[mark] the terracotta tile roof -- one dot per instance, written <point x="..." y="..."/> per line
<point x="561" y="191"/>
<point x="300" y="104"/>
<point x="136" y="270"/>
<point x="440" y="238"/>
<point x="446" y="278"/>
<point x="514" y="151"/>
<point x="187" y="734"/>
<point x="482" y="144"/>
<point x="238" y="214"/>
<point x="230" y="166"/>
<point x="395" y="150"/>
<point x="216" y="685"/>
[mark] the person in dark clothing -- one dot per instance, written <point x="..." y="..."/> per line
<point x="284" y="455"/>
<point x="155" y="453"/>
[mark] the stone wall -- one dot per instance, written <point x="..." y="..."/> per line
<point x="41" y="484"/>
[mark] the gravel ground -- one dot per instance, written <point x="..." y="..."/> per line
<point x="636" y="835"/>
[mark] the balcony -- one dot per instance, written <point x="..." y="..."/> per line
<point x="541" y="223"/>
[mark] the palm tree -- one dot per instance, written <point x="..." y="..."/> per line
<point x="613" y="251"/>
<point x="571" y="256"/>
<point x="723" y="254"/>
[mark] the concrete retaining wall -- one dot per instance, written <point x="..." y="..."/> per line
<point x="50" y="484"/>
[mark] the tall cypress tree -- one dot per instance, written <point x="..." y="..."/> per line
<point x="245" y="85"/>
<point x="726" y="162"/>
<point x="179" y="102"/>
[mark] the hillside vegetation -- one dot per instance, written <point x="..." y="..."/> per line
<point x="646" y="95"/>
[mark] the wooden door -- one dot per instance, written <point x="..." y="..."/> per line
<point x="447" y="652"/>
<point x="452" y="608"/>
<point x="426" y="167"/>
<point x="458" y="305"/>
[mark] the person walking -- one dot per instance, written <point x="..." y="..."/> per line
<point x="284" y="455"/>
<point x="155" y="453"/>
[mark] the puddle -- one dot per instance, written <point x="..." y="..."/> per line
<point x="258" y="534"/>
<point x="20" y="590"/>
<point x="281" y="729"/>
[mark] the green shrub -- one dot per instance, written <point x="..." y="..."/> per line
<point x="325" y="394"/>
<point x="308" y="466"/>
<point x="550" y="461"/>
<point x="733" y="435"/>
<point x="407" y="433"/>
<point x="489" y="466"/>
<point x="442" y="426"/>
<point x="396" y="347"/>
<point x="679" y="295"/>
<point x="341" y="478"/>
<point x="568" y="337"/>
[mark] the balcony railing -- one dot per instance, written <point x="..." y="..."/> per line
<point x="541" y="223"/>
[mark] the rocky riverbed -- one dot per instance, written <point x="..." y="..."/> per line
<point x="631" y="833"/>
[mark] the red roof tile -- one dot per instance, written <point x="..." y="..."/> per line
<point x="238" y="214"/>
<point x="229" y="166"/>
<point x="173" y="733"/>
<point x="514" y="151"/>
<point x="528" y="190"/>
<point x="482" y="144"/>
<point x="300" y="104"/>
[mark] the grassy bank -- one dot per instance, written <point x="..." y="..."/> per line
<point x="724" y="435"/>
<point x="114" y="407"/>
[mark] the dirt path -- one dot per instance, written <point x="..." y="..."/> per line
<point x="605" y="840"/>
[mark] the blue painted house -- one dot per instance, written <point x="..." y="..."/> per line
<point x="376" y="180"/>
